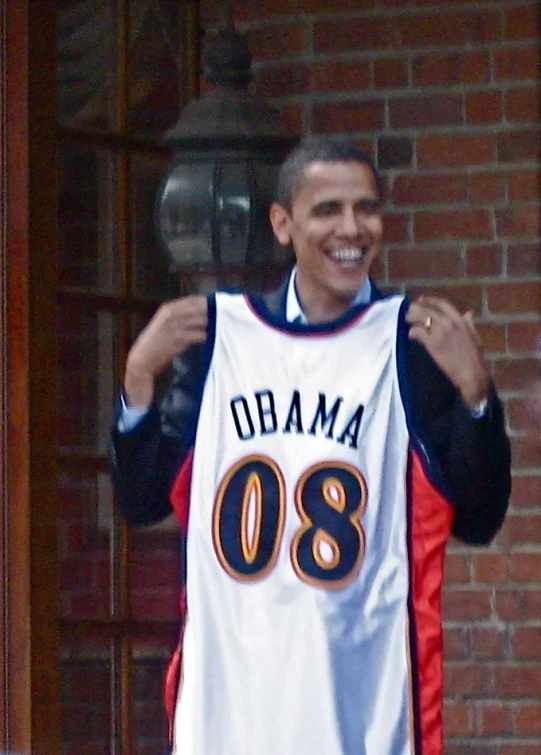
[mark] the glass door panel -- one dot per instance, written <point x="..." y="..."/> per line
<point x="88" y="240"/>
<point x="150" y="660"/>
<point x="85" y="531"/>
<point x="87" y="720"/>
<point x="87" y="39"/>
<point x="89" y="350"/>
<point x="155" y="572"/>
<point x="157" y="65"/>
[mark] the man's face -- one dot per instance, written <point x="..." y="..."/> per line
<point x="335" y="227"/>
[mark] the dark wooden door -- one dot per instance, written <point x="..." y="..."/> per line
<point x="29" y="620"/>
<point x="88" y="613"/>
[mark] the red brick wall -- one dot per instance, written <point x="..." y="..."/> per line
<point x="446" y="94"/>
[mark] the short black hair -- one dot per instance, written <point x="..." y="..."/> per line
<point x="316" y="149"/>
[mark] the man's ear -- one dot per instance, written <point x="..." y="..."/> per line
<point x="281" y="223"/>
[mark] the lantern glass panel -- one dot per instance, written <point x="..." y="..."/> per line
<point x="265" y="246"/>
<point x="233" y="209"/>
<point x="185" y="213"/>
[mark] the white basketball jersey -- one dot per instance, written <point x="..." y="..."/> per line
<point x="314" y="546"/>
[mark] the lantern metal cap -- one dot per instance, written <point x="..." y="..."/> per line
<point x="228" y="59"/>
<point x="229" y="109"/>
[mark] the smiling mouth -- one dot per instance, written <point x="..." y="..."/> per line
<point x="349" y="254"/>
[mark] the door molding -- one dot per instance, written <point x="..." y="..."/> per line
<point x="29" y="699"/>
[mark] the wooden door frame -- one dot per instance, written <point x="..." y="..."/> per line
<point x="29" y="506"/>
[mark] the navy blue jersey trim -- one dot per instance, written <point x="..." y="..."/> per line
<point x="283" y="296"/>
<point x="211" y="333"/>
<point x="278" y="321"/>
<point x="206" y="358"/>
<point x="208" y="350"/>
<point x="418" y="440"/>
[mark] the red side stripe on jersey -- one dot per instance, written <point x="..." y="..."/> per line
<point x="172" y="679"/>
<point x="180" y="500"/>
<point x="431" y="520"/>
<point x="173" y="674"/>
<point x="180" y="492"/>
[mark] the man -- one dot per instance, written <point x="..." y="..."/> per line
<point x="318" y="445"/>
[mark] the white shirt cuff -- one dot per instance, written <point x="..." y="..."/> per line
<point x="130" y="416"/>
<point x="480" y="409"/>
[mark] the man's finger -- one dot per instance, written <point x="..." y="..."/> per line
<point x="441" y="306"/>
<point x="423" y="317"/>
<point x="467" y="318"/>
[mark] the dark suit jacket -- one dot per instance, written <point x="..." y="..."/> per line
<point x="472" y="455"/>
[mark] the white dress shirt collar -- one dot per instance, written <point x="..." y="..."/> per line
<point x="293" y="305"/>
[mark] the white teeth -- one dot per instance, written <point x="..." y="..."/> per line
<point x="347" y="255"/>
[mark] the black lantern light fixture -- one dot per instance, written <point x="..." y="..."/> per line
<point x="212" y="205"/>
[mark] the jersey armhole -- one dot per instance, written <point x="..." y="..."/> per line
<point x="418" y="441"/>
<point x="204" y="365"/>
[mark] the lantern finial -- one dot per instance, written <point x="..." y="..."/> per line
<point x="228" y="60"/>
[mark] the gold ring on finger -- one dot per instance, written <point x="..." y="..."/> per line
<point x="428" y="323"/>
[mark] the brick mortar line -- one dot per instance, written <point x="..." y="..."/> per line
<point x="505" y="663"/>
<point x="478" y="280"/>
<point x="524" y="624"/>
<point x="469" y="169"/>
<point x="461" y="204"/>
<point x="333" y="16"/>
<point x="488" y="588"/>
<point x="409" y="92"/>
<point x="439" y="129"/>
<point x="527" y="587"/>
<point x="500" y="128"/>
<point x="502" y="739"/>
<point x="392" y="95"/>
<point x="374" y="55"/>
<point x="503" y="86"/>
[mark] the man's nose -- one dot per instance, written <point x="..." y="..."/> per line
<point x="350" y="222"/>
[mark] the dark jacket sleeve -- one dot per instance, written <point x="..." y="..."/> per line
<point x="145" y="460"/>
<point x="473" y="454"/>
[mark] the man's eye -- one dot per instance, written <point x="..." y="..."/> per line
<point x="369" y="206"/>
<point x="323" y="210"/>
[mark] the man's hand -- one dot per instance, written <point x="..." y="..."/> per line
<point x="452" y="341"/>
<point x="176" y="325"/>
